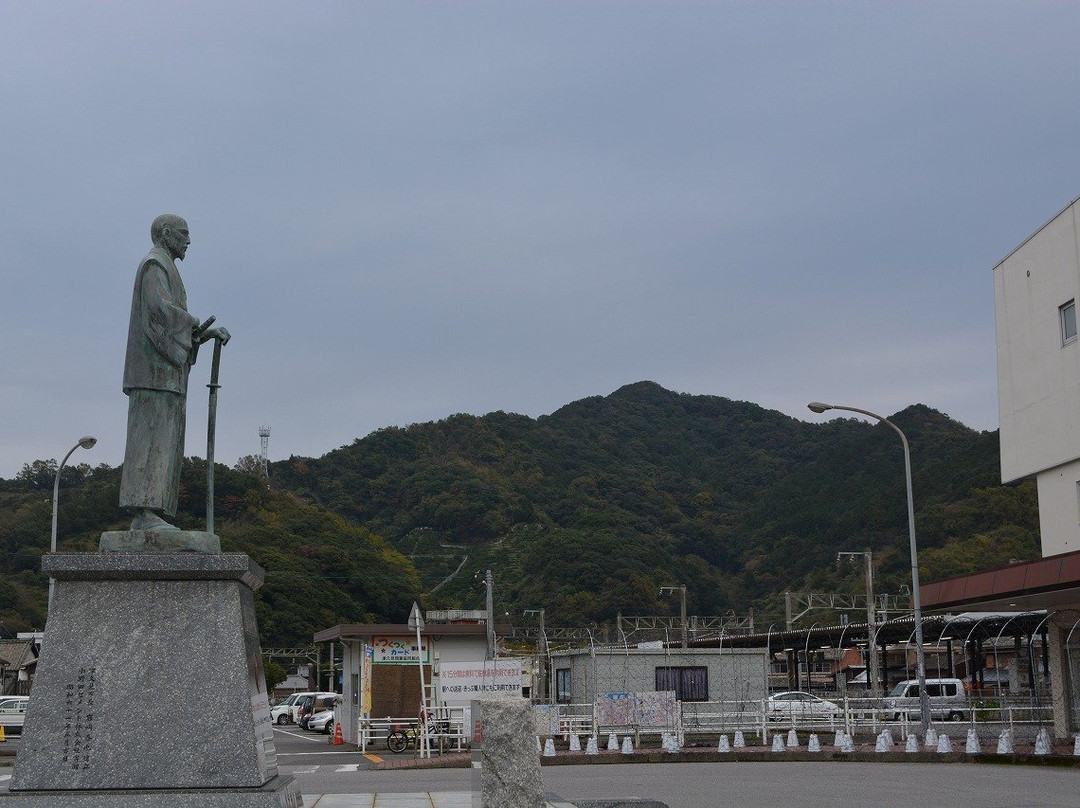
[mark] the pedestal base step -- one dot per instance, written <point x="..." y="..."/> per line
<point x="278" y="793"/>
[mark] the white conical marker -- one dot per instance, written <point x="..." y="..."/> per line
<point x="972" y="746"/>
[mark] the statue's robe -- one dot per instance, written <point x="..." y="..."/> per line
<point x="160" y="353"/>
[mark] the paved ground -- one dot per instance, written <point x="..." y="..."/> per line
<point x="425" y="799"/>
<point x="342" y="777"/>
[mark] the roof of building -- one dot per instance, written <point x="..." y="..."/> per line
<point x="359" y="630"/>
<point x="671" y="649"/>
<point x="295" y="682"/>
<point x="937" y="628"/>
<point x="1045" y="583"/>
<point x="17" y="653"/>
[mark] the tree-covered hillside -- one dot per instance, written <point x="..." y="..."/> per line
<point x="320" y="569"/>
<point x="588" y="511"/>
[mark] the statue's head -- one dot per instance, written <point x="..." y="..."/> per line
<point x="171" y="232"/>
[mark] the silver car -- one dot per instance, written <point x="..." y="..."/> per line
<point x="322" y="722"/>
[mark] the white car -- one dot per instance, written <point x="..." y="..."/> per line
<point x="798" y="705"/>
<point x="285" y="713"/>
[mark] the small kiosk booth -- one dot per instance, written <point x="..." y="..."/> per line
<point x="381" y="667"/>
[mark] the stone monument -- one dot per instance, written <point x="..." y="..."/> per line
<point x="506" y="763"/>
<point x="150" y="691"/>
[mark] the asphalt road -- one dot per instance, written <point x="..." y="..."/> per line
<point x="323" y="769"/>
<point x="749" y="785"/>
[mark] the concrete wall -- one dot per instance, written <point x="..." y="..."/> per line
<point x="1059" y="508"/>
<point x="460" y="649"/>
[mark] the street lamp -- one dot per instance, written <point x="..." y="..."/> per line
<point x="806" y="656"/>
<point x="920" y="658"/>
<point x="86" y="442"/>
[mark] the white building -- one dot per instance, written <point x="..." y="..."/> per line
<point x="695" y="674"/>
<point x="1036" y="289"/>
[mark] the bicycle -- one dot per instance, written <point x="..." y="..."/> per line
<point x="403" y="737"/>
<point x="400" y="739"/>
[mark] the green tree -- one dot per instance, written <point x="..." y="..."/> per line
<point x="275" y="674"/>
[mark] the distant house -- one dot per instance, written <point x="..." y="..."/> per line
<point x="297" y="682"/>
<point x="18" y="663"/>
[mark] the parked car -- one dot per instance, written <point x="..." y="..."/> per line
<point x="313" y="703"/>
<point x="947" y="699"/>
<point x="324" y="721"/>
<point x="799" y="705"/>
<point x="13" y="713"/>
<point x="285" y="713"/>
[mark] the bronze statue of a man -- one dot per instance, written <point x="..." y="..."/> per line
<point x="163" y="342"/>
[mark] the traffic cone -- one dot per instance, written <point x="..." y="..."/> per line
<point x="339" y="739"/>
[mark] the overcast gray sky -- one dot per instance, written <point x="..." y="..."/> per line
<point x="403" y="210"/>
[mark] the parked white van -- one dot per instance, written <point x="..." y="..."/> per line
<point x="13" y="713"/>
<point x="948" y="700"/>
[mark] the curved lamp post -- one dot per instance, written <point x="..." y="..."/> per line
<point x="920" y="658"/>
<point x="86" y="442"/>
<point x="806" y="656"/>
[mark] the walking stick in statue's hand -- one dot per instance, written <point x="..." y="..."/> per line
<point x="198" y="334"/>
<point x="211" y="428"/>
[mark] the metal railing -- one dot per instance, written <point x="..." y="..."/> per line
<point x="704" y="721"/>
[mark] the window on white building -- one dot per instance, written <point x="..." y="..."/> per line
<point x="1067" y="313"/>
<point x="562" y="685"/>
<point x="689" y="683"/>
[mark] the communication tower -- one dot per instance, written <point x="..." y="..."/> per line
<point x="264" y="443"/>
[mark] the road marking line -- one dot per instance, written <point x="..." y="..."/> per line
<point x="355" y="767"/>
<point x="373" y="758"/>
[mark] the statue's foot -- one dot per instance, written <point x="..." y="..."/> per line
<point x="148" y="520"/>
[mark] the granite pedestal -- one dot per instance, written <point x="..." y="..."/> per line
<point x="509" y="765"/>
<point x="150" y="689"/>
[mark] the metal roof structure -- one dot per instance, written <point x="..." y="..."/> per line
<point x="898" y="631"/>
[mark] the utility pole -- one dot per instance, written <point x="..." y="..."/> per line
<point x="543" y="655"/>
<point x="871" y="628"/>
<point x="681" y="589"/>
<point x="490" y="617"/>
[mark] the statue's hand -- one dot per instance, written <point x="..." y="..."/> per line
<point x="219" y="333"/>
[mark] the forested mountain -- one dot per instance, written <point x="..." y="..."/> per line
<point x="586" y="513"/>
